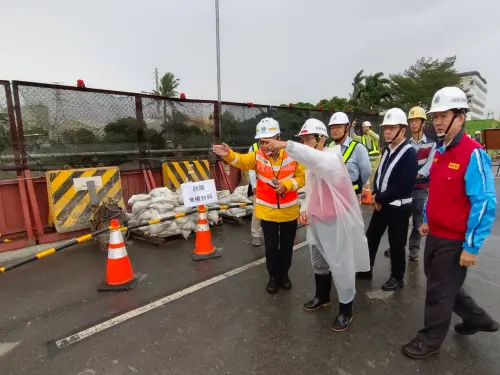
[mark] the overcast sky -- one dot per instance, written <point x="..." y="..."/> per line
<point x="272" y="51"/>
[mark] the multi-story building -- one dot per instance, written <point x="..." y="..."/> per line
<point x="475" y="87"/>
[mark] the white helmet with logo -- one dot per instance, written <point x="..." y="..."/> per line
<point x="313" y="126"/>
<point x="367" y="123"/>
<point x="395" y="116"/>
<point x="339" y="118"/>
<point x="267" y="128"/>
<point x="449" y="98"/>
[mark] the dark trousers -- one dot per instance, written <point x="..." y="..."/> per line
<point x="396" y="220"/>
<point x="445" y="294"/>
<point x="278" y="241"/>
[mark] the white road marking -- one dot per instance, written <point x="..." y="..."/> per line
<point x="158" y="303"/>
<point x="6" y="347"/>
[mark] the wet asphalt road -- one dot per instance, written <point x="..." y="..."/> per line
<point x="230" y="327"/>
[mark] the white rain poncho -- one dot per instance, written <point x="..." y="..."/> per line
<point x="336" y="227"/>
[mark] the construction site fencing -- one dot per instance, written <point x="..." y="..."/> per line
<point x="70" y="127"/>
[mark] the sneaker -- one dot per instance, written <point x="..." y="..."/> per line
<point x="256" y="241"/>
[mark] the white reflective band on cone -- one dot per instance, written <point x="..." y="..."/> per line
<point x="117" y="253"/>
<point x="202" y="216"/>
<point x="202" y="227"/>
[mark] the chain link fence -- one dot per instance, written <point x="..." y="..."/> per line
<point x="7" y="159"/>
<point x="64" y="126"/>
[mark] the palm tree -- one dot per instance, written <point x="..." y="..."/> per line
<point x="168" y="86"/>
<point x="357" y="84"/>
<point x="373" y="92"/>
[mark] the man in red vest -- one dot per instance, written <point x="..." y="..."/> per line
<point x="458" y="216"/>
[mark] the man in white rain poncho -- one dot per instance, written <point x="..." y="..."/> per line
<point x="336" y="230"/>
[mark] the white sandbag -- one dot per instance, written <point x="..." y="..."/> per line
<point x="162" y="207"/>
<point x="180" y="200"/>
<point x="161" y="192"/>
<point x="239" y="198"/>
<point x="139" y="206"/>
<point x="132" y="222"/>
<point x="213" y="216"/>
<point x="138" y="197"/>
<point x="235" y="211"/>
<point x="186" y="233"/>
<point x="182" y="220"/>
<point x="145" y="216"/>
<point x="160" y="200"/>
<point x="189" y="225"/>
<point x="182" y="209"/>
<point x="241" y="190"/>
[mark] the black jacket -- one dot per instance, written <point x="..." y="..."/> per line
<point x="402" y="174"/>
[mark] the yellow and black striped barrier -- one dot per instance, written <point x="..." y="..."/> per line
<point x="176" y="173"/>
<point x="89" y="236"/>
<point x="69" y="200"/>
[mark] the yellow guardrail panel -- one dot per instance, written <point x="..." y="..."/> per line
<point x="69" y="200"/>
<point x="176" y="173"/>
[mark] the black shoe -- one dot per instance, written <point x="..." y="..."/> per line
<point x="413" y="255"/>
<point x="368" y="275"/>
<point x="322" y="296"/>
<point x="272" y="285"/>
<point x="416" y="349"/>
<point x="393" y="284"/>
<point x="467" y="329"/>
<point x="286" y="283"/>
<point x="387" y="253"/>
<point x="344" y="319"/>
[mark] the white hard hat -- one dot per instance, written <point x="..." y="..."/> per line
<point x="367" y="123"/>
<point x="395" y="116"/>
<point x="338" y="118"/>
<point x="448" y="98"/>
<point x="477" y="132"/>
<point x="313" y="126"/>
<point x="267" y="128"/>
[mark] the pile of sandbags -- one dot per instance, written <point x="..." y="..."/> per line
<point x="239" y="196"/>
<point x="160" y="203"/>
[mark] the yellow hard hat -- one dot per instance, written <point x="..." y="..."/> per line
<point x="417" y="112"/>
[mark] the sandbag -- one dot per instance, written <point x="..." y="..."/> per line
<point x="182" y="220"/>
<point x="139" y="206"/>
<point x="138" y="197"/>
<point x="145" y="216"/>
<point x="162" y="207"/>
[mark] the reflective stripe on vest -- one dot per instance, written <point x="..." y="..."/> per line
<point x="346" y="156"/>
<point x="255" y="147"/>
<point x="374" y="151"/>
<point x="265" y="194"/>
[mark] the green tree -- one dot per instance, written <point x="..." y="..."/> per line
<point x="357" y="84"/>
<point x="370" y="92"/>
<point x="418" y="84"/>
<point x="302" y="105"/>
<point x="337" y="104"/>
<point x="5" y="139"/>
<point x="123" y="130"/>
<point x="168" y="86"/>
<point x="79" y="136"/>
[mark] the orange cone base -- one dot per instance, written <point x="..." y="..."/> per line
<point x="119" y="288"/>
<point x="214" y="254"/>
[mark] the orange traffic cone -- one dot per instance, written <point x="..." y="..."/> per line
<point x="203" y="248"/>
<point x="119" y="273"/>
<point x="366" y="194"/>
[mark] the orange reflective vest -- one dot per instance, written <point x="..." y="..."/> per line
<point x="265" y="194"/>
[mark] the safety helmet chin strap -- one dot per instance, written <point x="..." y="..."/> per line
<point x="346" y="130"/>
<point x="441" y="137"/>
<point x="397" y="134"/>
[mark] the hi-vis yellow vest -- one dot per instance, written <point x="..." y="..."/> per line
<point x="346" y="156"/>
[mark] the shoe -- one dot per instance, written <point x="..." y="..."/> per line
<point x="344" y="319"/>
<point x="322" y="296"/>
<point x="414" y="255"/>
<point x="256" y="241"/>
<point x="387" y="253"/>
<point x="272" y="285"/>
<point x="416" y="349"/>
<point x="467" y="329"/>
<point x="286" y="283"/>
<point x="393" y="284"/>
<point x="367" y="275"/>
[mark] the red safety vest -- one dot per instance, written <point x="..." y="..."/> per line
<point x="422" y="156"/>
<point x="448" y="205"/>
<point x="265" y="194"/>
